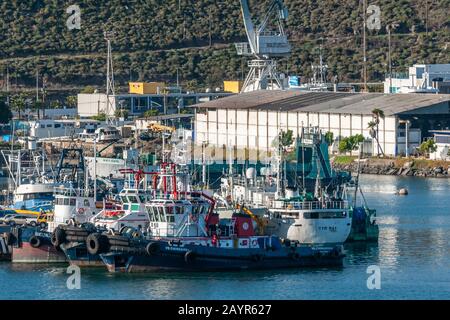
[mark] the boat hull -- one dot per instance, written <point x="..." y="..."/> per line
<point x="24" y="252"/>
<point x="77" y="254"/>
<point x="173" y="258"/>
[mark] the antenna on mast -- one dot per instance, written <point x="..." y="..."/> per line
<point x="110" y="89"/>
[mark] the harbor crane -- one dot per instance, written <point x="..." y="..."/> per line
<point x="264" y="45"/>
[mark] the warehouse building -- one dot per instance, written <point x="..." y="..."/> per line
<point x="251" y="121"/>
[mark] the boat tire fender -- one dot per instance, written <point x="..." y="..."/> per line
<point x="152" y="248"/>
<point x="58" y="237"/>
<point x="35" y="242"/>
<point x="190" y="256"/>
<point x="95" y="243"/>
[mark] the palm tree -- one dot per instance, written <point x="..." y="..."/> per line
<point x="18" y="103"/>
<point x="374" y="127"/>
<point x="71" y="101"/>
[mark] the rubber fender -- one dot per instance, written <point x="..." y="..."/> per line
<point x="35" y="242"/>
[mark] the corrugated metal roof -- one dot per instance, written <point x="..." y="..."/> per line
<point x="327" y="102"/>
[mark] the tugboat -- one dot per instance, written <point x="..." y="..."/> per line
<point x="74" y="202"/>
<point x="186" y="233"/>
<point x="129" y="214"/>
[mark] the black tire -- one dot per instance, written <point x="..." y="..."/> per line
<point x="10" y="239"/>
<point x="33" y="223"/>
<point x="256" y="257"/>
<point x="43" y="225"/>
<point x="80" y="233"/>
<point x="76" y="238"/>
<point x="295" y="256"/>
<point x="118" y="238"/>
<point x="35" y="242"/>
<point x="96" y="244"/>
<point x="12" y="223"/>
<point x="190" y="256"/>
<point x="58" y="237"/>
<point x="152" y="248"/>
<point x="114" y="242"/>
<point x="124" y="249"/>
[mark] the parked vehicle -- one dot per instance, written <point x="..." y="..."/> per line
<point x="7" y="218"/>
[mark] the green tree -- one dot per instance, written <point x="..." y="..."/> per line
<point x="55" y="104"/>
<point x="100" y="117"/>
<point x="151" y="113"/>
<point x="71" y="101"/>
<point x="37" y="106"/>
<point x="329" y="137"/>
<point x="350" y="143"/>
<point x="121" y="113"/>
<point x="374" y="127"/>
<point x="5" y="112"/>
<point x="88" y="89"/>
<point x="18" y="103"/>
<point x="428" y="147"/>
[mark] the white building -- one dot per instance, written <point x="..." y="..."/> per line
<point x="136" y="104"/>
<point x="442" y="139"/>
<point x="421" y="78"/>
<point x="47" y="128"/>
<point x="252" y="120"/>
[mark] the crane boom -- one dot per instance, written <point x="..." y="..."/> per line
<point x="249" y="26"/>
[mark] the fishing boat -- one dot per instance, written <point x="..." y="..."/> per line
<point x="294" y="212"/>
<point x="185" y="233"/>
<point x="32" y="177"/>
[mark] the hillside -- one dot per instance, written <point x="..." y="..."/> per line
<point x="155" y="37"/>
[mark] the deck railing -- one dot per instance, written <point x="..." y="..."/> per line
<point x="310" y="205"/>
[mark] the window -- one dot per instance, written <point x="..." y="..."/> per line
<point x="179" y="210"/>
<point x="57" y="125"/>
<point x="86" y="202"/>
<point x="49" y="126"/>
<point x="73" y="202"/>
<point x="132" y="199"/>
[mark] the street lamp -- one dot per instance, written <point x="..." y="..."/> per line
<point x="407" y="123"/>
<point x="388" y="28"/>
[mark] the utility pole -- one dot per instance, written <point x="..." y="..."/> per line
<point x="210" y="28"/>
<point x="37" y="85"/>
<point x="364" y="44"/>
<point x="7" y="85"/>
<point x="389" y="27"/>
<point x="109" y="79"/>
<point x="426" y="17"/>
<point x="389" y="59"/>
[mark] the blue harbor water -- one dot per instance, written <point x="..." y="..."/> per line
<point x="413" y="254"/>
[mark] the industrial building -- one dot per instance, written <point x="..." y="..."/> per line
<point x="420" y="78"/>
<point x="136" y="104"/>
<point x="252" y="121"/>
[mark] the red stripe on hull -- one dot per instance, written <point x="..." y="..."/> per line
<point x="44" y="254"/>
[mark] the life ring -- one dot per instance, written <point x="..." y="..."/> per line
<point x="81" y="210"/>
<point x="193" y="217"/>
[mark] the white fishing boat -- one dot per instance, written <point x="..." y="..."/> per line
<point x="293" y="214"/>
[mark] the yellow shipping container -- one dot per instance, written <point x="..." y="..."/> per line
<point x="146" y="87"/>
<point x="232" y="86"/>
